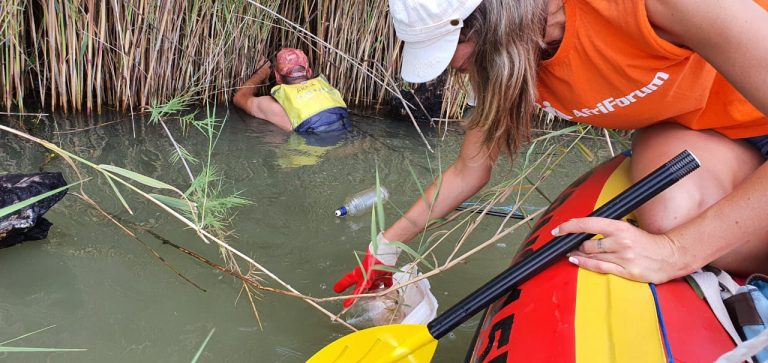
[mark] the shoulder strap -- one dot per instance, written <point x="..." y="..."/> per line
<point x="726" y="283"/>
<point x="715" y="289"/>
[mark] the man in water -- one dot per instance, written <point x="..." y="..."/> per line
<point x="298" y="102"/>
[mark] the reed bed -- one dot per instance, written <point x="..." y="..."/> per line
<point x="84" y="55"/>
<point x="361" y="30"/>
<point x="80" y="55"/>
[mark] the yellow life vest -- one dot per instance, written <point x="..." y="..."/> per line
<point x="304" y="100"/>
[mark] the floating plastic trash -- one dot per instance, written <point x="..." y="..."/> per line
<point x="412" y="304"/>
<point x="360" y="202"/>
<point x="27" y="224"/>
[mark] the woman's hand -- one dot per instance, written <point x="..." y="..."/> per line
<point x="626" y="251"/>
<point x="365" y="275"/>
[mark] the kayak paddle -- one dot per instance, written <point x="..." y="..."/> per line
<point x="494" y="210"/>
<point x="417" y="343"/>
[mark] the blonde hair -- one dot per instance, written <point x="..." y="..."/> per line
<point x="509" y="38"/>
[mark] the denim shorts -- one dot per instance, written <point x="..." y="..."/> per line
<point x="759" y="142"/>
<point x="330" y="120"/>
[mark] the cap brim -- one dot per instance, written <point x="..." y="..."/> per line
<point x="424" y="61"/>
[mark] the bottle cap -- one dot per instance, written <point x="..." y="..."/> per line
<point x="342" y="211"/>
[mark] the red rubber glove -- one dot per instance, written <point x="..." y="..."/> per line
<point x="386" y="255"/>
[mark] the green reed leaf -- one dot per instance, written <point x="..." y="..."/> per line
<point x="18" y="205"/>
<point x="143" y="179"/>
<point x="118" y="194"/>
<point x="175" y="203"/>
<point x="205" y="342"/>
<point x="25" y="349"/>
<point x="411" y="252"/>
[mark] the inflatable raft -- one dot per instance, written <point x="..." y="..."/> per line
<point x="568" y="314"/>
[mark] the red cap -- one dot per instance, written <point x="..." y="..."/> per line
<point x="291" y="62"/>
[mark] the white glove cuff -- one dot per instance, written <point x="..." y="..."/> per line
<point x="387" y="252"/>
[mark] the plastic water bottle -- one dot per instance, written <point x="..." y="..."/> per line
<point x="360" y="202"/>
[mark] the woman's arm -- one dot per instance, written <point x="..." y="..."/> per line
<point x="465" y="177"/>
<point x="468" y="174"/>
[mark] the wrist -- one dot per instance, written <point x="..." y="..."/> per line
<point x="684" y="264"/>
<point x="384" y="250"/>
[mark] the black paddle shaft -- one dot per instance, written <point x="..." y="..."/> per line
<point x="491" y="212"/>
<point x="618" y="207"/>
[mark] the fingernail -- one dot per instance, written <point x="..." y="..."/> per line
<point x="556" y="231"/>
<point x="573" y="260"/>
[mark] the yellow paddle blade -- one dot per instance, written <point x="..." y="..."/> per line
<point x="399" y="343"/>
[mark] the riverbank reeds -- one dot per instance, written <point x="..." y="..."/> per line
<point x="80" y="55"/>
<point x="351" y="42"/>
<point x="84" y="55"/>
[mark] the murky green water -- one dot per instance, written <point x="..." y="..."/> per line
<point x="105" y="292"/>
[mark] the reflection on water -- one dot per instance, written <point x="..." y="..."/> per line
<point x="106" y="293"/>
<point x="299" y="150"/>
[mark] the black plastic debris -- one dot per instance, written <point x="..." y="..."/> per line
<point x="27" y="224"/>
<point x="425" y="100"/>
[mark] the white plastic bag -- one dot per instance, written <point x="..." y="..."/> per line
<point x="419" y="305"/>
<point x="411" y="304"/>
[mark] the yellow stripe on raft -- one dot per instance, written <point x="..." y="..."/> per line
<point x="615" y="318"/>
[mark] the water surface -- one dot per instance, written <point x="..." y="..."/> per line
<point x="107" y="293"/>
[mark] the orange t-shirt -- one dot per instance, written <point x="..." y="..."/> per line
<point x="612" y="70"/>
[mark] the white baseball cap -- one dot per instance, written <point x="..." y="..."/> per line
<point x="430" y="30"/>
